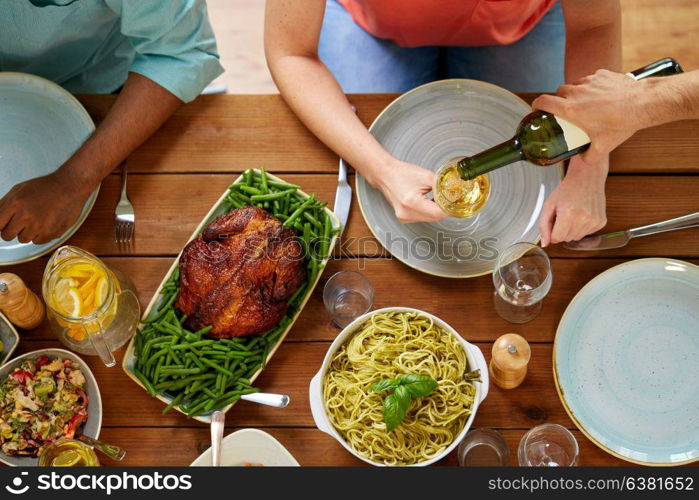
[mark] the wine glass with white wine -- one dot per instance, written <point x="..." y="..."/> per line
<point x="522" y="278"/>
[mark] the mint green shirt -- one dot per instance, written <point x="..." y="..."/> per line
<point x="90" y="46"/>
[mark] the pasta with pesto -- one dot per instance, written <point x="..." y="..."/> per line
<point x="385" y="346"/>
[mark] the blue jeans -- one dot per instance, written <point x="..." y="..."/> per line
<point x="364" y="63"/>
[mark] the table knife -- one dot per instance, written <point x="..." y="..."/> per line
<point x="619" y="239"/>
<point x="343" y="195"/>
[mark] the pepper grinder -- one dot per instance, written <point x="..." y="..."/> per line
<point x="510" y="357"/>
<point x="21" y="306"/>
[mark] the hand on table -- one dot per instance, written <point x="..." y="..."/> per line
<point x="606" y="105"/>
<point x="577" y="207"/>
<point x="405" y="185"/>
<point x="41" y="209"/>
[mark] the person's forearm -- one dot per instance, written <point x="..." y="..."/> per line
<point x="315" y="96"/>
<point x="140" y="109"/>
<point x="669" y="98"/>
<point x="592" y="44"/>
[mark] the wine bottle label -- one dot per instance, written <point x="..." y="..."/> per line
<point x="574" y="136"/>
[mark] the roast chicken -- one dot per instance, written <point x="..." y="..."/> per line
<point x="239" y="274"/>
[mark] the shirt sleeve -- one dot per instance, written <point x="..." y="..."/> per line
<point x="174" y="43"/>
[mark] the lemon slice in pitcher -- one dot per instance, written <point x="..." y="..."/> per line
<point x="67" y="298"/>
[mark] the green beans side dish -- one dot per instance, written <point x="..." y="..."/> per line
<point x="201" y="374"/>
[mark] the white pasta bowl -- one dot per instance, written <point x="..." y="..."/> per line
<point x="473" y="355"/>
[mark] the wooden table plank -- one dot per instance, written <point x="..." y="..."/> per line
<point x="464" y="304"/>
<point x="290" y="372"/>
<point x="229" y="133"/>
<point x="175" y="446"/>
<point x="169" y="207"/>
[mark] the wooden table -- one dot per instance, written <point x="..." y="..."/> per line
<point x="177" y="175"/>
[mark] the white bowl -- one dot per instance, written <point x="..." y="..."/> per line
<point x="251" y="446"/>
<point x="90" y="428"/>
<point x="473" y="355"/>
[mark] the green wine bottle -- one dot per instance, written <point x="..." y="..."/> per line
<point x="544" y="139"/>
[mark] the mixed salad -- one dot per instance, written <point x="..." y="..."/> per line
<point x="41" y="401"/>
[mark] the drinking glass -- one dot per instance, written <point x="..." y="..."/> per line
<point x="347" y="295"/>
<point x="483" y="448"/>
<point x="522" y="278"/>
<point x="548" y="445"/>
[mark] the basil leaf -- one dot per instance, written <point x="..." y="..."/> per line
<point x="383" y="385"/>
<point x="395" y="407"/>
<point x="391" y="412"/>
<point x="418" y="386"/>
<point x="403" y="397"/>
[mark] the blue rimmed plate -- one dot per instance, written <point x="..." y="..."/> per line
<point x="626" y="361"/>
<point x="42" y="126"/>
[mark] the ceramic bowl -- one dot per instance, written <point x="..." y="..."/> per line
<point x="473" y="355"/>
<point x="90" y="428"/>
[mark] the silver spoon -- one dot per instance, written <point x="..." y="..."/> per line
<point x="267" y="398"/>
<point x="112" y="451"/>
<point x="217" y="422"/>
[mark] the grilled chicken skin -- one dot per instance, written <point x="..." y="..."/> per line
<point x="238" y="275"/>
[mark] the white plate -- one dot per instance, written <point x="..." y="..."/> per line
<point x="42" y="126"/>
<point x="249" y="446"/>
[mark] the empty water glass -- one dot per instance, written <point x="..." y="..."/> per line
<point x="548" y="445"/>
<point x="347" y="295"/>
<point x="483" y="448"/>
<point x="522" y="278"/>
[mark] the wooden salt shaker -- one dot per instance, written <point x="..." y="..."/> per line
<point x="21" y="306"/>
<point x="510" y="357"/>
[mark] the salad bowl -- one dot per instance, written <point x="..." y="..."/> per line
<point x="90" y="428"/>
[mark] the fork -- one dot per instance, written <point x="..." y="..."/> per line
<point x="124" y="216"/>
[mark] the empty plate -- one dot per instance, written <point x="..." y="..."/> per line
<point x="42" y="126"/>
<point x="249" y="448"/>
<point x="429" y="126"/>
<point x="625" y="361"/>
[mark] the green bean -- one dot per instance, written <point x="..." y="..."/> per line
<point x="216" y="367"/>
<point x="180" y="371"/>
<point x="263" y="180"/>
<point x="249" y="189"/>
<point x="298" y="212"/>
<point x="282" y="185"/>
<point x="271" y="196"/>
<point x="310" y="218"/>
<point x="234" y="202"/>
<point x="175" y="401"/>
<point x="146" y="383"/>
<point x="249" y="176"/>
<point x="175" y="357"/>
<point x="325" y="242"/>
<point x="162" y="310"/>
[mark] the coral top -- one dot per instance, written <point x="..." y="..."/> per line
<point x="465" y="23"/>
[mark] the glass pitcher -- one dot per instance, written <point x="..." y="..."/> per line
<point x="93" y="309"/>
